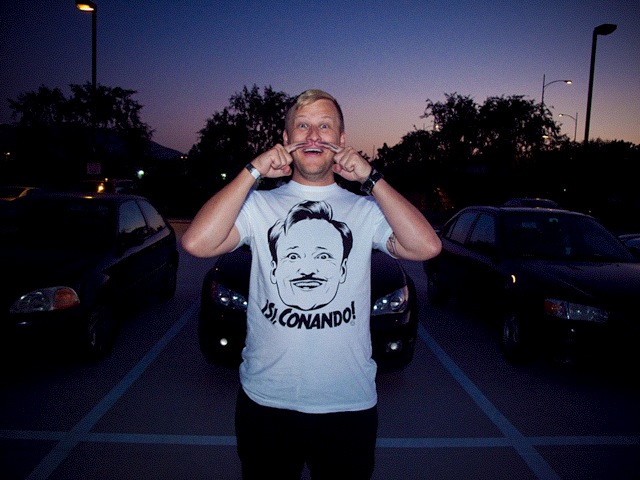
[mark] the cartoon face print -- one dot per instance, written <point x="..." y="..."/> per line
<point x="310" y="266"/>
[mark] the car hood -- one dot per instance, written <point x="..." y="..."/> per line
<point x="602" y="282"/>
<point x="27" y="269"/>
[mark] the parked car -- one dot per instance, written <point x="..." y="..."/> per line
<point x="531" y="202"/>
<point x="223" y="323"/>
<point x="556" y="281"/>
<point x="631" y="241"/>
<point x="11" y="192"/>
<point x="106" y="185"/>
<point x="70" y="263"/>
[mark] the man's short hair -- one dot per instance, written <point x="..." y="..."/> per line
<point x="306" y="98"/>
<point x="309" y="210"/>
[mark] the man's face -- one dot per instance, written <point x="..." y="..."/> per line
<point x="318" y="121"/>
<point x="310" y="267"/>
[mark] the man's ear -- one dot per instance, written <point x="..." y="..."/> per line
<point x="285" y="138"/>
<point x="343" y="140"/>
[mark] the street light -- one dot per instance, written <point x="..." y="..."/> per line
<point x="604" y="29"/>
<point x="544" y="85"/>
<point x="575" y="122"/>
<point x="88" y="6"/>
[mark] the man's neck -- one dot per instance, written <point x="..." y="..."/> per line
<point x="312" y="181"/>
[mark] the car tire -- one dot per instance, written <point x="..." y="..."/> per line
<point x="436" y="292"/>
<point x="99" y="332"/>
<point x="513" y="341"/>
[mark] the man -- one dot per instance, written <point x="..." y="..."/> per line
<point x="308" y="388"/>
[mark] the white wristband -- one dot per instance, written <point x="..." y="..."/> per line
<point x="253" y="171"/>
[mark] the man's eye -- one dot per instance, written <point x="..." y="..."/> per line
<point x="324" y="256"/>
<point x="293" y="256"/>
<point x="302" y="125"/>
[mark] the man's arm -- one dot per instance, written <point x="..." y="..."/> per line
<point x="413" y="236"/>
<point x="212" y="231"/>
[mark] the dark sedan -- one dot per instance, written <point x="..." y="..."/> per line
<point x="70" y="263"/>
<point x="556" y="280"/>
<point x="225" y="289"/>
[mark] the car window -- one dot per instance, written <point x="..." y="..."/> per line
<point x="61" y="223"/>
<point x="154" y="219"/>
<point x="459" y="231"/>
<point x="131" y="221"/>
<point x="562" y="237"/>
<point x="483" y="235"/>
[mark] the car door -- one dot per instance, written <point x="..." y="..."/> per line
<point x="160" y="243"/>
<point x="134" y="255"/>
<point x="452" y="261"/>
<point x="482" y="260"/>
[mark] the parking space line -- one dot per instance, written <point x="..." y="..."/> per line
<point x="522" y="445"/>
<point x="62" y="449"/>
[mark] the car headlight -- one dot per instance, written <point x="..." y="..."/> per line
<point x="575" y="311"/>
<point x="227" y="297"/>
<point x="394" y="302"/>
<point x="45" y="300"/>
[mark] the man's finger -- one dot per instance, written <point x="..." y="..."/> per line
<point x="294" y="146"/>
<point x="330" y="146"/>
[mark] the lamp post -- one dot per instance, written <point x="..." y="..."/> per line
<point x="89" y="6"/>
<point x="575" y="122"/>
<point x="604" y="29"/>
<point x="544" y="85"/>
<point x="93" y="167"/>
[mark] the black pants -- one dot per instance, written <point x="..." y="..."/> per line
<point x="276" y="443"/>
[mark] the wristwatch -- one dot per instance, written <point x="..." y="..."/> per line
<point x="369" y="183"/>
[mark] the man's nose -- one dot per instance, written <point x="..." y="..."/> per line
<point x="314" y="133"/>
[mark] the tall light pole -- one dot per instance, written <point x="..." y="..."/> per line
<point x="89" y="6"/>
<point x="93" y="167"/>
<point x="575" y="122"/>
<point x="604" y="29"/>
<point x="544" y="85"/>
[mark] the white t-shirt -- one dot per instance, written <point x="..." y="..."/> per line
<point x="308" y="345"/>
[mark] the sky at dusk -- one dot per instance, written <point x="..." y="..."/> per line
<point x="381" y="60"/>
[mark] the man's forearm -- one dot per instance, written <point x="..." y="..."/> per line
<point x="414" y="237"/>
<point x="210" y="232"/>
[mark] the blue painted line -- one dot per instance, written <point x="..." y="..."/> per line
<point x="62" y="449"/>
<point x="164" y="439"/>
<point x="541" y="469"/>
<point x="382" y="442"/>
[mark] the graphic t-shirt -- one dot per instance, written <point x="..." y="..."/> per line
<point x="308" y="345"/>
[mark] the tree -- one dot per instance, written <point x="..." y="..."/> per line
<point x="58" y="136"/>
<point x="250" y="125"/>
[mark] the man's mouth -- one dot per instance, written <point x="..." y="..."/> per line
<point x="307" y="283"/>
<point x="312" y="150"/>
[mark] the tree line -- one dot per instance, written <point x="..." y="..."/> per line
<point x="467" y="153"/>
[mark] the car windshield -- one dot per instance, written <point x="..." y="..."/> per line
<point x="557" y="236"/>
<point x="57" y="222"/>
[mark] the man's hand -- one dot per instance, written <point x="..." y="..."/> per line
<point x="348" y="163"/>
<point x="276" y="162"/>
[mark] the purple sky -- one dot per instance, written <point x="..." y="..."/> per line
<point x="381" y="60"/>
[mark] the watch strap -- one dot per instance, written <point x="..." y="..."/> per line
<point x="369" y="183"/>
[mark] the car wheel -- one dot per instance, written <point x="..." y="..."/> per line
<point x="436" y="292"/>
<point x="513" y="342"/>
<point x="99" y="332"/>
